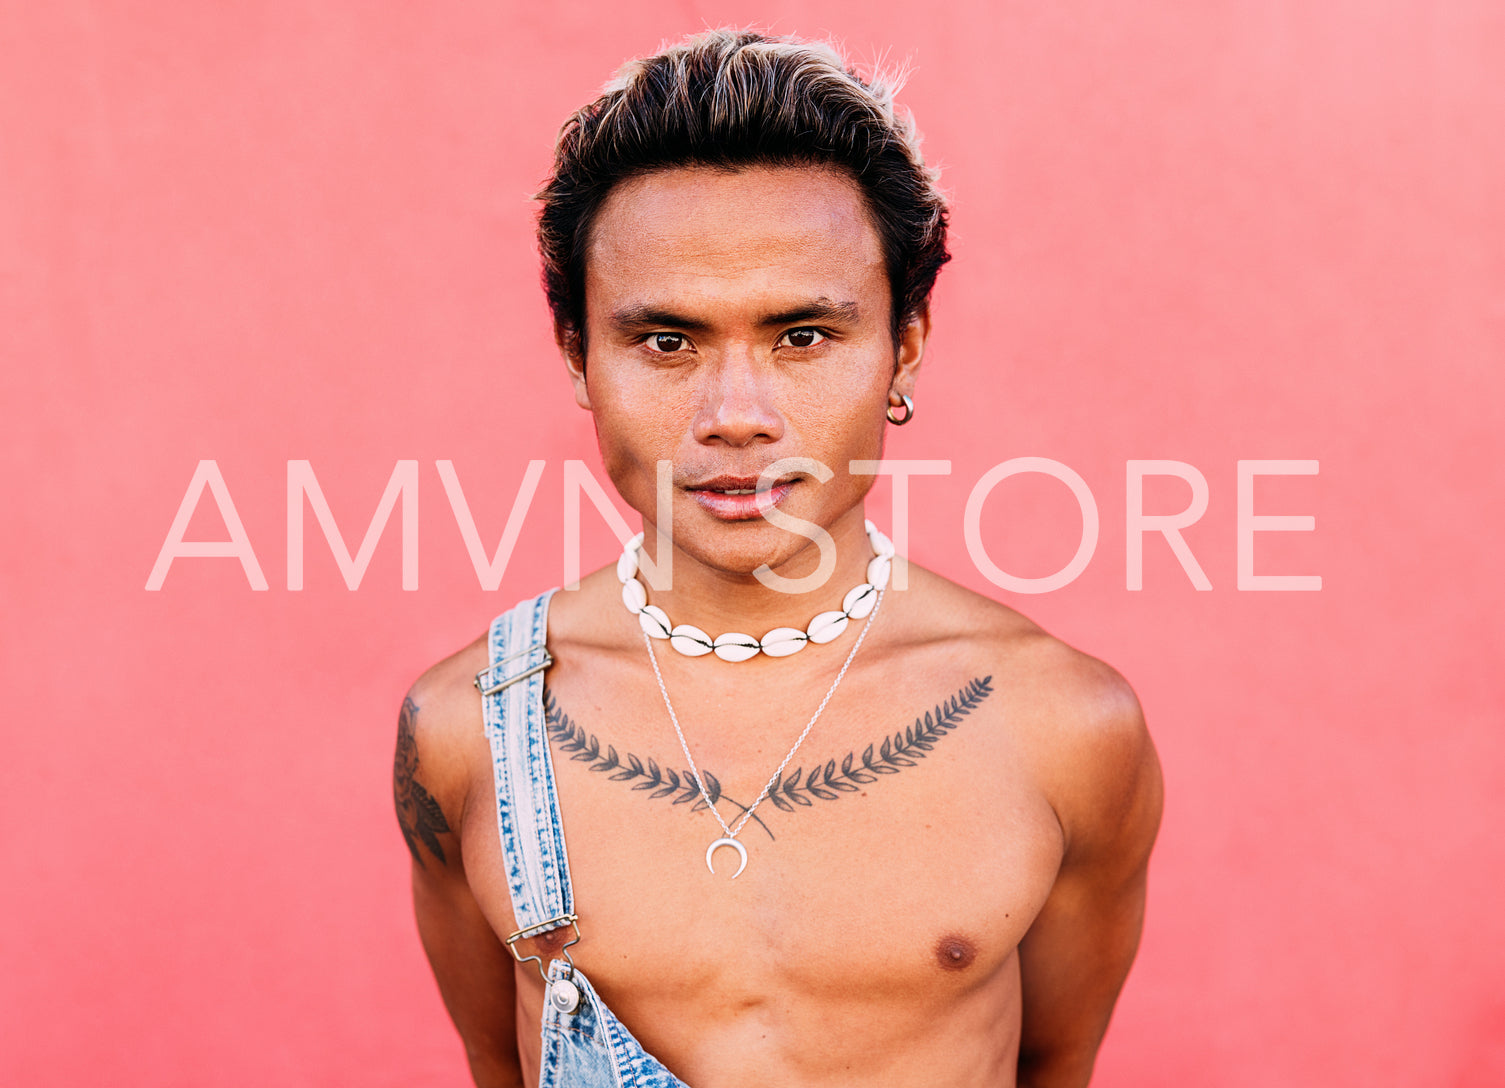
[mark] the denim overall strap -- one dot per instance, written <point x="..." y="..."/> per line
<point x="538" y="870"/>
<point x="584" y="1045"/>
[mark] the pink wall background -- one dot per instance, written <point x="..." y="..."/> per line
<point x="1210" y="232"/>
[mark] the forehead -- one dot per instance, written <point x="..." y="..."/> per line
<point x="718" y="236"/>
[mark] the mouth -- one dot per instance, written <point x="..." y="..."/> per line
<point x="738" y="498"/>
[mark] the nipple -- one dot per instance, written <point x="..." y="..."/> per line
<point x="955" y="953"/>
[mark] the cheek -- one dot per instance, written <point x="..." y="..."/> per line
<point x="625" y="437"/>
<point x="629" y="465"/>
<point x="851" y="421"/>
<point x="624" y="410"/>
<point x="635" y="429"/>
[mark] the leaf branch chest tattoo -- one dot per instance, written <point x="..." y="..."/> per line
<point x="799" y="788"/>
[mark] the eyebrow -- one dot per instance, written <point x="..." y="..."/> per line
<point x="649" y="316"/>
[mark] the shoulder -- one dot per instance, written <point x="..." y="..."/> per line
<point x="447" y="685"/>
<point x="1095" y="757"/>
<point x="1096" y="761"/>
<point x="1073" y="717"/>
<point x="439" y="724"/>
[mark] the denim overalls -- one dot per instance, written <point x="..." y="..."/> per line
<point x="584" y="1044"/>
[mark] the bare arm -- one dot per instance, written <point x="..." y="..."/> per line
<point x="471" y="965"/>
<point x="1076" y="955"/>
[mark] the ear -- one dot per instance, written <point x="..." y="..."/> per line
<point x="572" y="349"/>
<point x="912" y="340"/>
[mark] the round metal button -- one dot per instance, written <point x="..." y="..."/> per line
<point x="564" y="995"/>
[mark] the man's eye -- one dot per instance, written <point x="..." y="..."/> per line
<point x="666" y="343"/>
<point x="803" y="338"/>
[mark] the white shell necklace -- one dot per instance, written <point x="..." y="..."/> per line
<point x="730" y="833"/>
<point x="781" y="641"/>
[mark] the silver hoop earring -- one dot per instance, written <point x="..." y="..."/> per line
<point x="899" y="421"/>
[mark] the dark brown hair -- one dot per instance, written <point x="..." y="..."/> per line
<point x="731" y="99"/>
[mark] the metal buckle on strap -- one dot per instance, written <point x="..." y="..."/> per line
<point x="486" y="684"/>
<point x="539" y="930"/>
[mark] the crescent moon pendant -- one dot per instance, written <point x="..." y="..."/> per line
<point x="735" y="845"/>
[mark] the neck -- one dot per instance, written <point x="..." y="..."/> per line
<point x="715" y="589"/>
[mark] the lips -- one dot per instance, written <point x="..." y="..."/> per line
<point x="737" y="498"/>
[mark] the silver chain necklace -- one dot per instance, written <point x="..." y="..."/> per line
<point x="729" y="837"/>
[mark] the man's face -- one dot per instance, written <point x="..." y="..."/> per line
<point x="734" y="319"/>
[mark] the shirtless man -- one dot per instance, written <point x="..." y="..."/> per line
<point x="946" y="884"/>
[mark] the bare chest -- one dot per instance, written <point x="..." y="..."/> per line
<point x="898" y="859"/>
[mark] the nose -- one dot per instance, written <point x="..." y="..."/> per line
<point x="736" y="405"/>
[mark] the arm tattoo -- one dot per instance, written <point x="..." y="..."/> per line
<point x="797" y="788"/>
<point x="644" y="774"/>
<point x="418" y="814"/>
